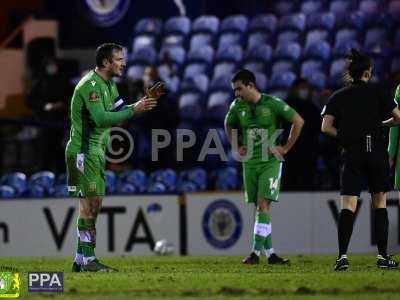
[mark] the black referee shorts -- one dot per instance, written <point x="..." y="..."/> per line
<point x="362" y="165"/>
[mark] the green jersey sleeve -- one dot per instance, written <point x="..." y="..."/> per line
<point x="282" y="109"/>
<point x="232" y="119"/>
<point x="394" y="131"/>
<point x="101" y="117"/>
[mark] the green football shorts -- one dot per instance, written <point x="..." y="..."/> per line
<point x="85" y="174"/>
<point x="262" y="181"/>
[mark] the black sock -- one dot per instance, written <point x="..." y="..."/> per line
<point x="381" y="229"/>
<point x="345" y="229"/>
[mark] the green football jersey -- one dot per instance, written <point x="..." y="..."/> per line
<point x="257" y="123"/>
<point x="93" y="113"/>
<point x="393" y="147"/>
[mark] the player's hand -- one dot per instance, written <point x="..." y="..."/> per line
<point x="156" y="91"/>
<point x="144" y="104"/>
<point x="278" y="150"/>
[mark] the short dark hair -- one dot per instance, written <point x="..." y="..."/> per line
<point x="244" y="76"/>
<point x="357" y="64"/>
<point x="105" y="51"/>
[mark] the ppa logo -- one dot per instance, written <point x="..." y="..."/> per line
<point x="46" y="282"/>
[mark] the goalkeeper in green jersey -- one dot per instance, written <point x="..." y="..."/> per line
<point x="95" y="108"/>
<point x="257" y="117"/>
<point x="394" y="157"/>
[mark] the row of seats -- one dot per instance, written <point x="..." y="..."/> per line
<point x="47" y="184"/>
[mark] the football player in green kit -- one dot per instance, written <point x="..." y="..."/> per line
<point x="95" y="108"/>
<point x="394" y="155"/>
<point x="257" y="117"/>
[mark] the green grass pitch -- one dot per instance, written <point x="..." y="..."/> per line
<point x="308" y="277"/>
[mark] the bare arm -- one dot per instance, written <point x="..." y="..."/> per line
<point x="295" y="130"/>
<point x="393" y="121"/>
<point x="327" y="126"/>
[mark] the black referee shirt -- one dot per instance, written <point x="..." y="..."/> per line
<point x="359" y="110"/>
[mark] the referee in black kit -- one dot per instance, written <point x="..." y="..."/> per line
<point x="355" y="114"/>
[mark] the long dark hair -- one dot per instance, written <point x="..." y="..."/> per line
<point x="357" y="64"/>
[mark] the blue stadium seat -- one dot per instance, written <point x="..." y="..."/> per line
<point x="175" y="31"/>
<point x="280" y="93"/>
<point x="229" y="39"/>
<point x="284" y="7"/>
<point x="203" y="54"/>
<point x="393" y="9"/>
<point x="267" y="23"/>
<point x="255" y="66"/>
<point x="370" y="6"/>
<point x="258" y="38"/>
<point x="224" y="68"/>
<point x="227" y="179"/>
<point x="340" y="7"/>
<point x="111" y="181"/>
<point x="375" y="36"/>
<point x="311" y="6"/>
<point x="308" y="67"/>
<point x="345" y="35"/>
<point x="318" y="50"/>
<point x="317" y="79"/>
<point x="137" y="178"/>
<point x="293" y="22"/>
<point x="135" y="72"/>
<point x="336" y="71"/>
<point x="259" y="53"/>
<point x="206" y="24"/>
<point x="316" y="36"/>
<point x="143" y="41"/>
<point x="217" y="105"/>
<point x="61" y="190"/>
<point x="197" y="84"/>
<point x="187" y="187"/>
<point x="126" y="189"/>
<point x="61" y="179"/>
<point x="190" y="106"/>
<point x="282" y="80"/>
<point x="288" y="51"/>
<point x="195" y="69"/>
<point x="222" y="82"/>
<point x="343" y="48"/>
<point x="230" y="54"/>
<point x="17" y="181"/>
<point x="262" y="82"/>
<point x="167" y="177"/>
<point x="6" y="192"/>
<point x="144" y="56"/>
<point x="200" y="39"/>
<point x="235" y="23"/>
<point x="283" y="65"/>
<point x="157" y="188"/>
<point x="324" y="20"/>
<point x="288" y="36"/>
<point x="174" y="54"/>
<point x="45" y="180"/>
<point x="37" y="191"/>
<point x="149" y="26"/>
<point x="196" y="176"/>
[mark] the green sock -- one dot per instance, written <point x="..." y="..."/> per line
<point x="260" y="231"/>
<point x="87" y="238"/>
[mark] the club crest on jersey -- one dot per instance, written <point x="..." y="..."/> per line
<point x="93" y="96"/>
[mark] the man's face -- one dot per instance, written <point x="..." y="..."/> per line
<point x="117" y="64"/>
<point x="241" y="90"/>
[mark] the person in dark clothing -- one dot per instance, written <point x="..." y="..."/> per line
<point x="355" y="115"/>
<point x="301" y="161"/>
<point x="48" y="98"/>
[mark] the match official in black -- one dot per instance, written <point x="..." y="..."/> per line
<point x="356" y="115"/>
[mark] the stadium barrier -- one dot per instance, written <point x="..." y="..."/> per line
<point x="195" y="223"/>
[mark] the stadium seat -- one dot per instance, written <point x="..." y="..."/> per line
<point x="278" y="92"/>
<point x="284" y="7"/>
<point x="174" y="54"/>
<point x="255" y="66"/>
<point x="126" y="189"/>
<point x="190" y="106"/>
<point x="187" y="187"/>
<point x="288" y="51"/>
<point x="317" y="79"/>
<point x="393" y="9"/>
<point x="198" y="84"/>
<point x="206" y="24"/>
<point x="316" y="36"/>
<point x="259" y="53"/>
<point x="345" y="35"/>
<point x="144" y="41"/>
<point x="6" y="192"/>
<point x="176" y="30"/>
<point x="235" y="23"/>
<point x="375" y="36"/>
<point x="267" y="23"/>
<point x="195" y="69"/>
<point x="135" y="72"/>
<point x="61" y="190"/>
<point x="217" y="105"/>
<point x="200" y="39"/>
<point x="37" y="191"/>
<point x="204" y="54"/>
<point x="192" y="180"/>
<point x="288" y="36"/>
<point x="230" y="54"/>
<point x="43" y="180"/>
<point x="157" y="188"/>
<point x="370" y="6"/>
<point x="143" y="56"/>
<point x="148" y="26"/>
<point x="308" y="67"/>
<point x="336" y="72"/>
<point x="324" y="20"/>
<point x="283" y="65"/>
<point x="340" y="7"/>
<point x="282" y="80"/>
<point x="222" y="82"/>
<point x="293" y="22"/>
<point x="111" y="180"/>
<point x="342" y="49"/>
<point x="137" y="178"/>
<point x="229" y="39"/>
<point x="261" y="80"/>
<point x="167" y="177"/>
<point x="311" y="6"/>
<point x="17" y="181"/>
<point x="318" y="50"/>
<point x="258" y="38"/>
<point x="227" y="179"/>
<point x="224" y="68"/>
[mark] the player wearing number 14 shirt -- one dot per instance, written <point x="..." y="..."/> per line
<point x="257" y="118"/>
